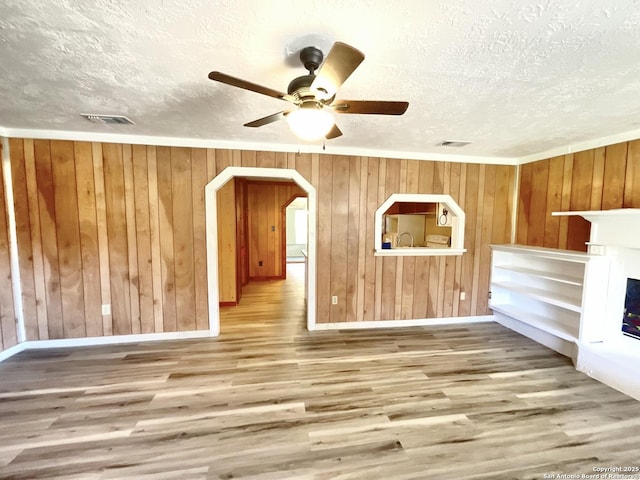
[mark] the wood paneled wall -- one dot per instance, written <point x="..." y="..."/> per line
<point x="598" y="179"/>
<point x="227" y="244"/>
<point x="125" y="225"/>
<point x="264" y="227"/>
<point x="112" y="224"/>
<point x="8" y="333"/>
<point x="350" y="189"/>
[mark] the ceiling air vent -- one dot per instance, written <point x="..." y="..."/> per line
<point x="107" y="119"/>
<point x="452" y="143"/>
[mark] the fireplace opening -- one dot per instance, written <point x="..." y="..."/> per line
<point x="631" y="316"/>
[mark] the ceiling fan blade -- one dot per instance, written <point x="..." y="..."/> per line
<point x="267" y="120"/>
<point x="374" y="107"/>
<point x="340" y="63"/>
<point x="333" y="133"/>
<point x="254" y="87"/>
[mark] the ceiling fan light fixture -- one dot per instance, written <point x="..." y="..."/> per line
<point x="310" y="122"/>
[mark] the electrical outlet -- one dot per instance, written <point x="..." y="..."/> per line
<point x="106" y="309"/>
<point x="463" y="295"/>
<point x="334" y="300"/>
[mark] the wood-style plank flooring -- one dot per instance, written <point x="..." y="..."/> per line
<point x="269" y="400"/>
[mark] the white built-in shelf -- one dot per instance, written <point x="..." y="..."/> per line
<point x="538" y="321"/>
<point x="556" y="297"/>
<point x="554" y="291"/>
<point x="556" y="277"/>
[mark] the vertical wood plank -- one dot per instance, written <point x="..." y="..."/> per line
<point x="281" y="160"/>
<point x="303" y="164"/>
<point x="372" y="167"/>
<point x="382" y="175"/>
<point x="154" y="238"/>
<point x="484" y="255"/>
<point x="470" y="208"/>
<point x="339" y="230"/>
<point x="211" y="164"/>
<point x="324" y="273"/>
<point x="614" y="176"/>
<point x="272" y="212"/>
<point x="23" y="236"/>
<point x="265" y="159"/>
<point x="88" y="238"/>
<point x="103" y="234"/>
<point x="183" y="237"/>
<point x="165" y="214"/>
<point x="475" y="293"/>
<point x="353" y="239"/>
<point x="143" y="238"/>
<point x="537" y="203"/>
<point x="579" y="228"/>
<point x="249" y="159"/>
<point x="597" y="182"/>
<point x="554" y="202"/>
<point x="132" y="246"/>
<point x="632" y="176"/>
<point x="199" y="180"/>
<point x="363" y="225"/>
<point x="68" y="233"/>
<point x="36" y="243"/>
<point x="524" y="203"/>
<point x="117" y="231"/>
<point x="566" y="200"/>
<point x="8" y="331"/>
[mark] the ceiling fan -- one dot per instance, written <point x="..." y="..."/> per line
<point x="314" y="95"/>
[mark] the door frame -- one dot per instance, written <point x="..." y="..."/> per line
<point x="211" y="213"/>
<point x="283" y="229"/>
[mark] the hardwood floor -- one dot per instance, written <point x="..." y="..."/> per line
<point x="269" y="400"/>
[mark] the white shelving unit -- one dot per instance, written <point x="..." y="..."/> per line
<point x="552" y="296"/>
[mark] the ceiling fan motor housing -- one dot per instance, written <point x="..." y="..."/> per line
<point x="311" y="58"/>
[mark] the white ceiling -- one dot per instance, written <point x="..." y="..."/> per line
<point x="516" y="78"/>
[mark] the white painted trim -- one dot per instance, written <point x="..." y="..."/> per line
<point x="11" y="351"/>
<point x="330" y="148"/>
<point x="581" y="146"/>
<point x="211" y="210"/>
<point x="421" y="322"/>
<point x="16" y="284"/>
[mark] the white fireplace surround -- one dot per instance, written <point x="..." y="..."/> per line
<point x="614" y="361"/>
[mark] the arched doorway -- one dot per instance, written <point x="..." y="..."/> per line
<point x="212" y="235"/>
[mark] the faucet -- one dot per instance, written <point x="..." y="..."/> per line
<point x="400" y="238"/>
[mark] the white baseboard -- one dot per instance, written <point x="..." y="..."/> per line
<point x="107" y="340"/>
<point x="421" y="322"/>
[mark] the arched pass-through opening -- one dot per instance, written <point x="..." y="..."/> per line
<point x="212" y="235"/>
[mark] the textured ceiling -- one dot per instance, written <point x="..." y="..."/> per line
<point x="514" y="77"/>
